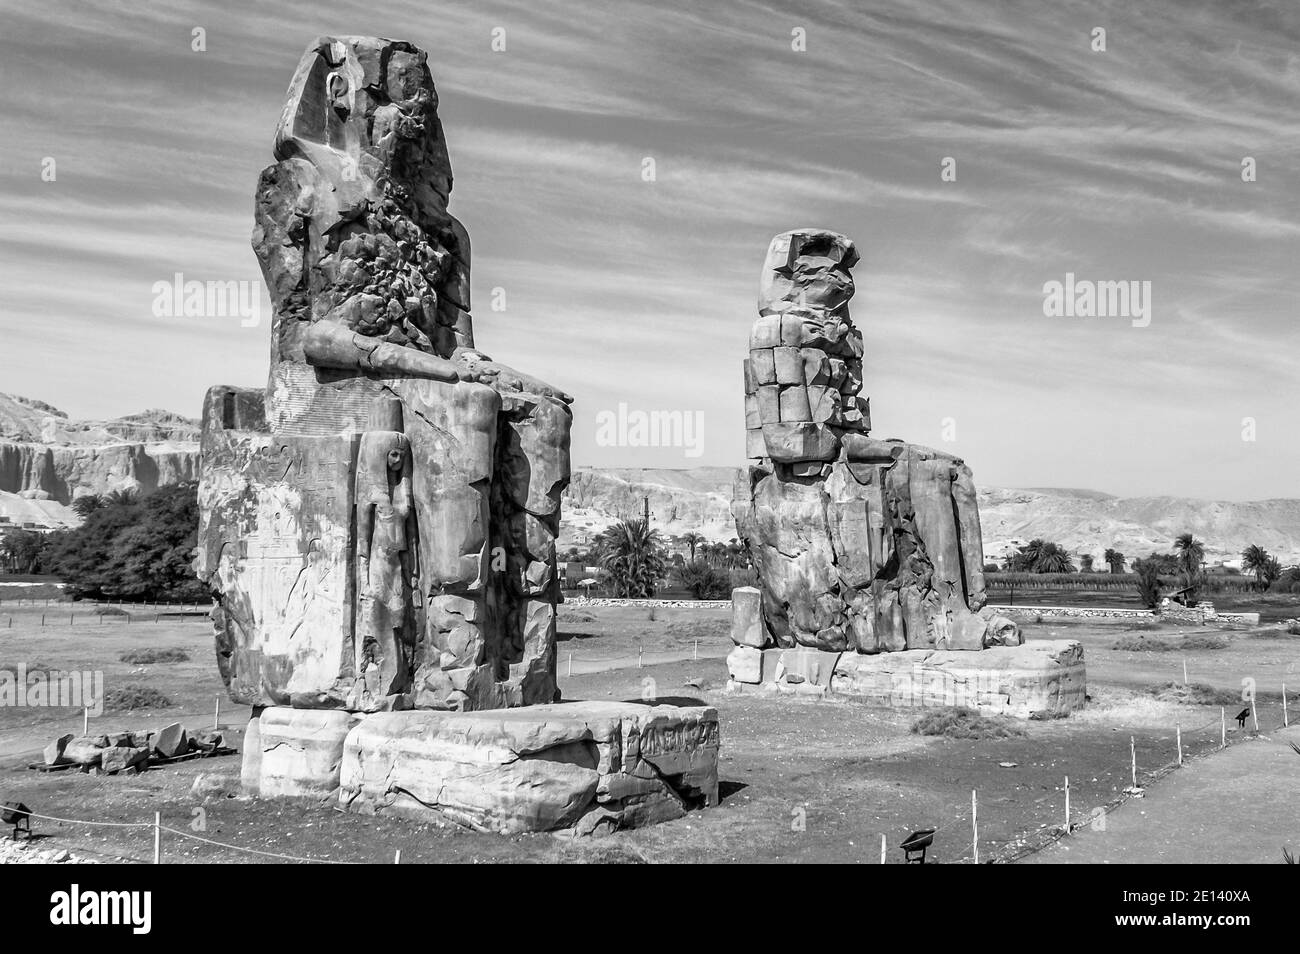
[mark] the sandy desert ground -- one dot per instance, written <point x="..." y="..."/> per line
<point x="801" y="781"/>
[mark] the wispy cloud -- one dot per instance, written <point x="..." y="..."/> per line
<point x="1122" y="164"/>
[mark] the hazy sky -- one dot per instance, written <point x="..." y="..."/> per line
<point x="1116" y="165"/>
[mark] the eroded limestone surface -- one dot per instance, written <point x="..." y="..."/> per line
<point x="860" y="544"/>
<point x="379" y="524"/>
<point x="584" y="766"/>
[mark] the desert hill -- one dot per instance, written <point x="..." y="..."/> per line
<point x="47" y="460"/>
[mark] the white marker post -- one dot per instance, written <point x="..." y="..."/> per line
<point x="1286" y="720"/>
<point x="157" y="838"/>
<point x="974" y="826"/>
<point x="1254" y="714"/>
<point x="216" y="715"/>
<point x="1223" y="727"/>
<point x="1184" y="672"/>
<point x="397" y="858"/>
<point x="1067" y="804"/>
<point x="884" y="848"/>
<point x="85" y="721"/>
<point x="570" y="663"/>
<point x="1178" y="731"/>
<point x="1133" y="755"/>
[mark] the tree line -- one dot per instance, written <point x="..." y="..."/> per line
<point x="128" y="547"/>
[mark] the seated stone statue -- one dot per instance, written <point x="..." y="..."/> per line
<point x="860" y="545"/>
<point x="378" y="526"/>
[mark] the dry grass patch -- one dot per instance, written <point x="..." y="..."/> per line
<point x="966" y="724"/>
<point x="144" y="657"/>
<point x="130" y="697"/>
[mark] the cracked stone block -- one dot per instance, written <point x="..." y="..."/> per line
<point x="751" y="665"/>
<point x="587" y="767"/>
<point x="302" y="750"/>
<point x="788" y="365"/>
<point x="53" y="753"/>
<point x="795" y="407"/>
<point x="747" y="617"/>
<point x="119" y="758"/>
<point x="1039" y="679"/>
<point x="250" y="760"/>
<point x="804" y="665"/>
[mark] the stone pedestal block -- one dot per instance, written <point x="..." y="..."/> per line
<point x="301" y="751"/>
<point x="580" y="766"/>
<point x="1036" y="680"/>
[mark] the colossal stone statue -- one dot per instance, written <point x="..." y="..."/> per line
<point x="860" y="544"/>
<point x="867" y="551"/>
<point x="379" y="525"/>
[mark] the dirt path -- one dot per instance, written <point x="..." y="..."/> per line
<point x="1234" y="807"/>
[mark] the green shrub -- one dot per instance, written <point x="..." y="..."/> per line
<point x="705" y="582"/>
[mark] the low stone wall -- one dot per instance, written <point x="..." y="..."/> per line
<point x="1074" y="612"/>
<point x="1188" y="614"/>
<point x="688" y="604"/>
<point x="1036" y="680"/>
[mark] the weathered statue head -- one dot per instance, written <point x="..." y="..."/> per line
<point x="364" y="111"/>
<point x="807" y="270"/>
<point x="366" y="268"/>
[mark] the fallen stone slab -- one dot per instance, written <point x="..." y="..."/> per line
<point x="85" y="750"/>
<point x="54" y="751"/>
<point x="171" y="741"/>
<point x="585" y="767"/>
<point x="117" y="758"/>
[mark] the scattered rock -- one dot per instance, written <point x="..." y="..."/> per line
<point x="172" y="741"/>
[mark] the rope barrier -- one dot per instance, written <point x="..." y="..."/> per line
<point x="255" y="851"/>
<point x="82" y="821"/>
<point x="192" y="837"/>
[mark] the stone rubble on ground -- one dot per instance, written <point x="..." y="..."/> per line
<point x="119" y="751"/>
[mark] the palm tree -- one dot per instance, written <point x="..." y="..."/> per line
<point x="1255" y="559"/>
<point x="1190" y="553"/>
<point x="87" y="504"/>
<point x="632" y="557"/>
<point x="1043" y="556"/>
<point x="121" y="498"/>
<point x="692" y="539"/>
<point x="1053" y="558"/>
<point x="1148" y="582"/>
<point x="1030" y="554"/>
<point x="1114" y="559"/>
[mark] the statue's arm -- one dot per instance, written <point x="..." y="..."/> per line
<point x="503" y="377"/>
<point x="329" y="344"/>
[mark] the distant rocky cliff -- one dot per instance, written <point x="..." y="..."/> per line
<point x="47" y="460"/>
